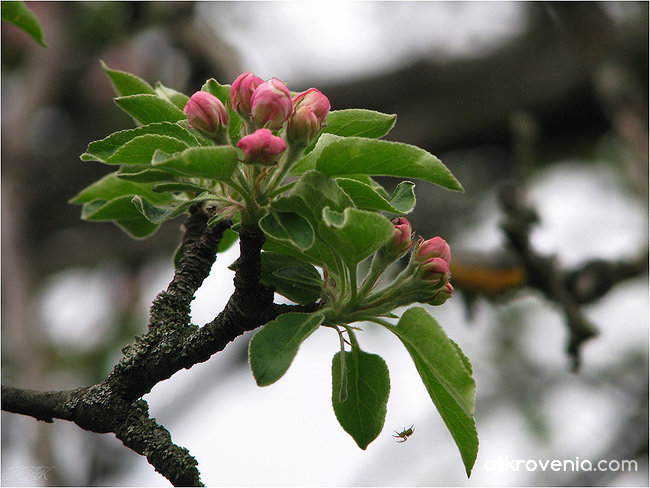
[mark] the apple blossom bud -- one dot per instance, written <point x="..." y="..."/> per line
<point x="315" y="100"/>
<point x="310" y="110"/>
<point x="206" y="113"/>
<point x="402" y="237"/>
<point x="241" y="92"/>
<point x="271" y="104"/>
<point x="303" y="126"/>
<point x="261" y="147"/>
<point x="436" y="247"/>
<point x="434" y="271"/>
<point x="443" y="295"/>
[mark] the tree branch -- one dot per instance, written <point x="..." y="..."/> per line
<point x="42" y="405"/>
<point x="171" y="344"/>
<point x="595" y="278"/>
<point x="96" y="410"/>
<point x="198" y="252"/>
<point x="542" y="271"/>
<point x="145" y="436"/>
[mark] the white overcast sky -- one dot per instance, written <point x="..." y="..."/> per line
<point x="306" y="41"/>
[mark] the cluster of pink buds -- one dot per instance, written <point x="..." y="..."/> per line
<point x="424" y="280"/>
<point x="269" y="105"/>
<point x="432" y="259"/>
<point x="207" y="114"/>
<point x="264" y="106"/>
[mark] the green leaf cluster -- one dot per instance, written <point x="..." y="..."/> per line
<point x="163" y="155"/>
<point x="163" y="166"/>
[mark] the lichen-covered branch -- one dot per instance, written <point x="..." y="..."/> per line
<point x="171" y="344"/>
<point x="98" y="410"/>
<point x="198" y="252"/>
<point x="146" y="437"/>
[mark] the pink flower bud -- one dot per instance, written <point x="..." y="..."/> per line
<point x="310" y="110"/>
<point x="402" y="237"/>
<point x="241" y="92"/>
<point x="435" y="247"/>
<point x="435" y="270"/>
<point x="315" y="100"/>
<point x="443" y="295"/>
<point x="303" y="126"/>
<point x="206" y="113"/>
<point x="271" y="104"/>
<point x="261" y="147"/>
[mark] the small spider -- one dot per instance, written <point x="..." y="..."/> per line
<point x="405" y="434"/>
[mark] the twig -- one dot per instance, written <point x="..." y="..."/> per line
<point x="542" y="271"/>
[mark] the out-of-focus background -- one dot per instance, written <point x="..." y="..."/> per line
<point x="552" y="96"/>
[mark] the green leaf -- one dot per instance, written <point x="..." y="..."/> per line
<point x="228" y="239"/>
<point x="127" y="84"/>
<point x="272" y="349"/>
<point x="365" y="197"/>
<point x="177" y="98"/>
<point x="18" y="14"/>
<point x="363" y="412"/>
<point x="215" y="162"/>
<point x="357" y="122"/>
<point x="110" y="187"/>
<point x="103" y="149"/>
<point x="143" y="174"/>
<point x="202" y="139"/>
<point x="234" y="126"/>
<point x="222" y="92"/>
<point x="463" y="358"/>
<point x="158" y="215"/>
<point x="118" y="208"/>
<point x="140" y="150"/>
<point x="292" y="278"/>
<point x="290" y="227"/>
<point x="355" y="233"/>
<point x="147" y="109"/>
<point x="341" y="156"/>
<point x="445" y="375"/>
<point x="311" y="194"/>
<point x="122" y="212"/>
<point x="110" y="198"/>
<point x="420" y="332"/>
<point x="179" y="186"/>
<point x="319" y="253"/>
<point x="137" y="228"/>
